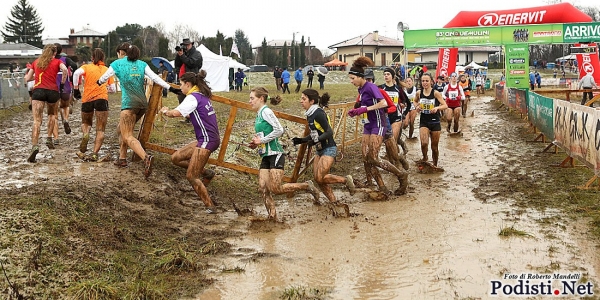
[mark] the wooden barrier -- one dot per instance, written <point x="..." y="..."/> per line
<point x="337" y="112"/>
<point x="566" y="92"/>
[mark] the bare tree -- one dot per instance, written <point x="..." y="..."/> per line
<point x="181" y="32"/>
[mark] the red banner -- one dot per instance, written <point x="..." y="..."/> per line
<point x="556" y="13"/>
<point x="588" y="62"/>
<point x="446" y="61"/>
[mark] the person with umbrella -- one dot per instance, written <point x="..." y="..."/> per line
<point x="160" y="71"/>
<point x="321" y="77"/>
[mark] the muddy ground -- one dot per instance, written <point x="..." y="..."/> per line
<point x="71" y="228"/>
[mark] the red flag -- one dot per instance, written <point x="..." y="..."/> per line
<point x="424" y="68"/>
<point x="588" y="62"/>
<point x="446" y="61"/>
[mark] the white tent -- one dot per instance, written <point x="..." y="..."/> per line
<point x="567" y="57"/>
<point x="217" y="69"/>
<point x="235" y="65"/>
<point x="474" y="65"/>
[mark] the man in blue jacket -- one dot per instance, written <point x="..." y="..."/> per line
<point x="531" y="80"/>
<point x="285" y="78"/>
<point x="298" y="76"/>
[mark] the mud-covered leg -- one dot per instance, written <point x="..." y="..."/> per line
<point x="101" y="120"/>
<point x="364" y="150"/>
<point x="196" y="167"/>
<point x="435" y="140"/>
<point x="263" y="187"/>
<point x="456" y="114"/>
<point x="424" y="137"/>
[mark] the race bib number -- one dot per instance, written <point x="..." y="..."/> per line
<point x="262" y="148"/>
<point x="365" y="119"/>
<point x="453" y="95"/>
<point x="394" y="96"/>
<point x="427" y="105"/>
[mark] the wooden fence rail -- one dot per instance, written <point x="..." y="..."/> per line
<point x="337" y="113"/>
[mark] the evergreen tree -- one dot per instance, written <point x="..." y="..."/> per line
<point x="302" y="52"/>
<point x="24" y="25"/>
<point x="284" y="56"/>
<point x="243" y="45"/>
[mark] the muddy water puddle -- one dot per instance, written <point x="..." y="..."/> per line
<point x="438" y="242"/>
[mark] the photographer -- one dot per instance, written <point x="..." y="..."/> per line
<point x="191" y="58"/>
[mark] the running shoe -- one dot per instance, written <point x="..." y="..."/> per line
<point x="121" y="163"/>
<point x="92" y="157"/>
<point x="350" y="184"/>
<point x="67" y="127"/>
<point x="34" y="151"/>
<point x="84" y="142"/>
<point x="211" y="210"/>
<point x="148" y="165"/>
<point x="56" y="142"/>
<point x="49" y="143"/>
<point x="312" y="189"/>
<point x="208" y="177"/>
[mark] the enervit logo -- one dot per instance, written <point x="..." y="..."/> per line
<point x="445" y="62"/>
<point x="488" y="19"/>
<point x="588" y="68"/>
<point x="494" y="19"/>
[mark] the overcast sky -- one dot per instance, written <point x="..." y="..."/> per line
<point x="326" y="22"/>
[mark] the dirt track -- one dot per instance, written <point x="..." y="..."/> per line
<point x="64" y="222"/>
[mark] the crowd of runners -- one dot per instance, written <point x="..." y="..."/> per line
<point x="385" y="110"/>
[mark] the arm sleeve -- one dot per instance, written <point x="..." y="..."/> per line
<point x="187" y="106"/>
<point x="76" y="76"/>
<point x="270" y="117"/>
<point x="193" y="60"/>
<point x="322" y="119"/>
<point x="148" y="72"/>
<point x="110" y="72"/>
<point x="445" y="91"/>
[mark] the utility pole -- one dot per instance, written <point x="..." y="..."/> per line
<point x="294" y="51"/>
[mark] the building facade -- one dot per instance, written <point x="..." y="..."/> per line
<point x="382" y="50"/>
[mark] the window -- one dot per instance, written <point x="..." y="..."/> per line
<point x="369" y="55"/>
<point x="395" y="57"/>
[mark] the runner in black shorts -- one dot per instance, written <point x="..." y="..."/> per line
<point x="266" y="141"/>
<point x="93" y="102"/>
<point x="45" y="91"/>
<point x="429" y="103"/>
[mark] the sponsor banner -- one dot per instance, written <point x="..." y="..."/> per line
<point x="500" y="93"/>
<point x="540" y="112"/>
<point x="581" y="32"/>
<point x="557" y="13"/>
<point x="446" y="61"/>
<point x="517" y="100"/>
<point x="517" y="66"/>
<point x="588" y="62"/>
<point x="499" y="35"/>
<point x="577" y="131"/>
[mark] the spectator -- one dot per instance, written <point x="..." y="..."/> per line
<point x="531" y="81"/>
<point x="239" y="79"/>
<point x="310" y="74"/>
<point x="538" y="79"/>
<point x="298" y="76"/>
<point x="321" y="79"/>
<point x="277" y="75"/>
<point x="188" y="59"/>
<point x="160" y="71"/>
<point x="554" y="73"/>
<point x="285" y="79"/>
<point x="587" y="83"/>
